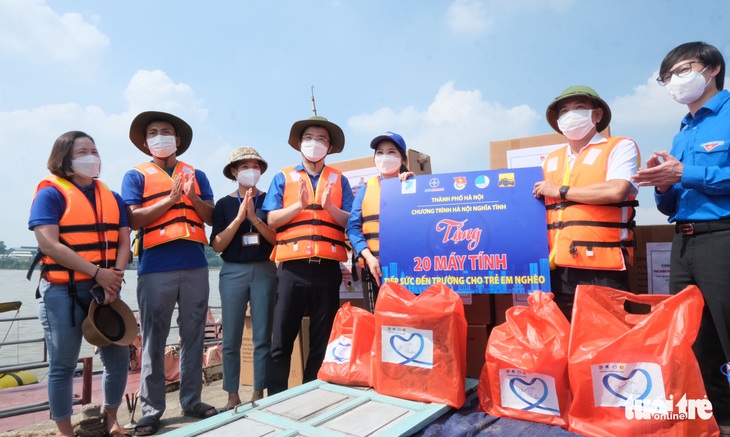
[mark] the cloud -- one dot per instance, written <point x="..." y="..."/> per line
<point x="649" y="105"/>
<point x="468" y="17"/>
<point x="475" y="17"/>
<point x="455" y="129"/>
<point x="154" y="90"/>
<point x="28" y="135"/>
<point x="32" y="30"/>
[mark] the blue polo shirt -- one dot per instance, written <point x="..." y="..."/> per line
<point x="275" y="196"/>
<point x="703" y="147"/>
<point x="174" y="255"/>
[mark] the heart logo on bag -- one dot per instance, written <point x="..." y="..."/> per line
<point x="341" y="352"/>
<point x="630" y="386"/>
<point x="531" y="389"/>
<point x="409" y="348"/>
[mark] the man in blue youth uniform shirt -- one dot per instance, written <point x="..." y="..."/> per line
<point x="693" y="189"/>
<point x="309" y="208"/>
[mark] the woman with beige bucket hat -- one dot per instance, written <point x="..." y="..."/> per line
<point x="245" y="241"/>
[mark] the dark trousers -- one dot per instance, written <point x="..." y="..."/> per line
<point x="564" y="280"/>
<point x="704" y="260"/>
<point x="302" y="286"/>
<point x="369" y="289"/>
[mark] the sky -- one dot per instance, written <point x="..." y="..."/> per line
<point x="449" y="76"/>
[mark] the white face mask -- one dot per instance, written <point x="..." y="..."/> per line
<point x="248" y="177"/>
<point x="162" y="146"/>
<point x="313" y="150"/>
<point x="576" y="124"/>
<point x="689" y="88"/>
<point x="87" y="165"/>
<point x="387" y="164"/>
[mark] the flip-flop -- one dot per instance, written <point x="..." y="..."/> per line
<point x="147" y="422"/>
<point x="200" y="411"/>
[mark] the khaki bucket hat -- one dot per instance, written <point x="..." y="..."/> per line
<point x="242" y="154"/>
<point x="138" y="130"/>
<point x="337" y="137"/>
<point x="110" y="324"/>
<point x="578" y="90"/>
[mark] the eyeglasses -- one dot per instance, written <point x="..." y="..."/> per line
<point x="322" y="139"/>
<point x="681" y="71"/>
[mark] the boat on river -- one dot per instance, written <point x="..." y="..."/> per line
<point x="18" y="377"/>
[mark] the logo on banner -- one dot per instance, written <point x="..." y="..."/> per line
<point x="528" y="391"/>
<point x="506" y="180"/>
<point x="481" y="181"/>
<point x="339" y="350"/>
<point x="407" y="346"/>
<point x="408" y="186"/>
<point x="459" y="182"/>
<point x="614" y="384"/>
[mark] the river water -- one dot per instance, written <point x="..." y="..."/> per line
<point x="14" y="287"/>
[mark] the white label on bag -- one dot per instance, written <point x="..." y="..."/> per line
<point x="618" y="384"/>
<point x="408" y="346"/>
<point x="339" y="350"/>
<point x="534" y="392"/>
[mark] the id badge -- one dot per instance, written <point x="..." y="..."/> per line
<point x="250" y="239"/>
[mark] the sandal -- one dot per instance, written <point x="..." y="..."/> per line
<point x="201" y="411"/>
<point x="147" y="422"/>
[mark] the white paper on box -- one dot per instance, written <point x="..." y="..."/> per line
<point x="534" y="392"/>
<point x="407" y="346"/>
<point x="339" y="351"/>
<point x="618" y="384"/>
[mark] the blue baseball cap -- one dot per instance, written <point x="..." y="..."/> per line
<point x="390" y="136"/>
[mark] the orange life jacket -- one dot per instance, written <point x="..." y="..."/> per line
<point x="180" y="221"/>
<point x="371" y="215"/>
<point x="588" y="236"/>
<point x="312" y="232"/>
<point x="93" y="233"/>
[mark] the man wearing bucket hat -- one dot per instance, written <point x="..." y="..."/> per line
<point x="244" y="240"/>
<point x="169" y="201"/>
<point x="363" y="227"/>
<point x="589" y="197"/>
<point x="308" y="204"/>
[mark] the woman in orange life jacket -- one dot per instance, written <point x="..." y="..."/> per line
<point x="364" y="225"/>
<point x="81" y="227"/>
<point x="245" y="241"/>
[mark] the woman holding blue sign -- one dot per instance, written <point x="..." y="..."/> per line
<point x="364" y="224"/>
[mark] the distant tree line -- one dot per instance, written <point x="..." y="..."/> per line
<point x="214" y="260"/>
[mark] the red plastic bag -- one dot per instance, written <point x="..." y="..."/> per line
<point x="525" y="375"/>
<point x="419" y="350"/>
<point x="347" y="360"/>
<point x="634" y="374"/>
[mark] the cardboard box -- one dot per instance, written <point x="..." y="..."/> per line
<point x="298" y="356"/>
<point x="477" y="309"/>
<point x="418" y="163"/>
<point x="638" y="280"/>
<point x="476" y="348"/>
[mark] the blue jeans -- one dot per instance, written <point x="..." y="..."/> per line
<point x="64" y="344"/>
<point x="239" y="284"/>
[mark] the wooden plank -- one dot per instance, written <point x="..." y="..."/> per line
<point x="366" y="419"/>
<point x="319" y="409"/>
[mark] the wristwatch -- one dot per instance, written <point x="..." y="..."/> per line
<point x="563" y="191"/>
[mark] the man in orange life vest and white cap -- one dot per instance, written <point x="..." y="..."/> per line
<point x="308" y="204"/>
<point x="589" y="197"/>
<point x="169" y="201"/>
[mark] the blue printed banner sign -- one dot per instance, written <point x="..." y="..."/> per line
<point x="476" y="232"/>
